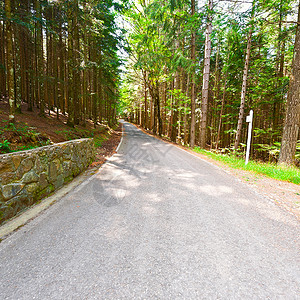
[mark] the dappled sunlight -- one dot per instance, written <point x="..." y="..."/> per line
<point x="266" y="208"/>
<point x="148" y="176"/>
<point x="243" y="201"/>
<point x="185" y="175"/>
<point x="149" y="210"/>
<point x="153" y="197"/>
<point x="117" y="232"/>
<point x="215" y="190"/>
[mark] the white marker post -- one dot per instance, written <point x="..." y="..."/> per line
<point x="249" y="119"/>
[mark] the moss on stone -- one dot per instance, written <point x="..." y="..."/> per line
<point x="31" y="175"/>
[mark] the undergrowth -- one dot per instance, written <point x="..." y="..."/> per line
<point x="18" y="137"/>
<point x="99" y="134"/>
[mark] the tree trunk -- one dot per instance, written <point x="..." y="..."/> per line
<point x="244" y="86"/>
<point x="157" y="107"/>
<point x="70" y="121"/>
<point x="174" y="129"/>
<point x="292" y="117"/>
<point x="206" y="73"/>
<point x="76" y="75"/>
<point x="10" y="62"/>
<point x="2" y="62"/>
<point x="145" y="100"/>
<point x="193" y="104"/>
<point x="221" y="112"/>
<point x="185" y="132"/>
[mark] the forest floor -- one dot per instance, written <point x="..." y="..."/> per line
<point x="282" y="193"/>
<point x="31" y="131"/>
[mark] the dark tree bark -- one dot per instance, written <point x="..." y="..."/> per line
<point x="10" y="62"/>
<point x="292" y="116"/>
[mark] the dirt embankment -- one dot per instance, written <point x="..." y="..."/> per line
<point x="31" y="130"/>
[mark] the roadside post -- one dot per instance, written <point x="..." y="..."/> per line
<point x="249" y="119"/>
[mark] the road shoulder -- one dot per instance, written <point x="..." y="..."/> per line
<point x="108" y="148"/>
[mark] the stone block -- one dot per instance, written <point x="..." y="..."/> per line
<point x="67" y="153"/>
<point x="16" y="159"/>
<point x="59" y="181"/>
<point x="54" y="153"/>
<point x="11" y="190"/>
<point x="38" y="166"/>
<point x="30" y="177"/>
<point x="32" y="188"/>
<point x="6" y="164"/>
<point x="6" y="178"/>
<point x="6" y="212"/>
<point x="54" y="170"/>
<point x="66" y="166"/>
<point x="25" y="166"/>
<point x="43" y="182"/>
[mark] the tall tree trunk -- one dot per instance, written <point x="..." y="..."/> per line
<point x="2" y="62"/>
<point x="193" y="104"/>
<point x="292" y="116"/>
<point x="164" y="114"/>
<point x="70" y="121"/>
<point x="157" y="107"/>
<point x="151" y="110"/>
<point x="222" y="110"/>
<point x="279" y="70"/>
<point x="171" y="110"/>
<point x="244" y="86"/>
<point x="10" y="62"/>
<point x="174" y="129"/>
<point x="40" y="57"/>
<point x="76" y="75"/>
<point x="206" y="73"/>
<point x="145" y="100"/>
<point x="213" y="122"/>
<point x="61" y="65"/>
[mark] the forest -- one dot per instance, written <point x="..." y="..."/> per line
<point x="186" y="70"/>
<point x="61" y="56"/>
<point x="195" y="69"/>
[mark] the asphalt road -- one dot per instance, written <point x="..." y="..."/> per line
<point x="155" y="223"/>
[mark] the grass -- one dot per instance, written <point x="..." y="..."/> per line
<point x="291" y="174"/>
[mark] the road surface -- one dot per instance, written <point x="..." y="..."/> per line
<point x="155" y="223"/>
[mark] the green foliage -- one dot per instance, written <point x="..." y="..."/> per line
<point x="4" y="147"/>
<point x="14" y="136"/>
<point x="98" y="140"/>
<point x="99" y="134"/>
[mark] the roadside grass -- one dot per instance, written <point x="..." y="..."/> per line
<point x="291" y="174"/>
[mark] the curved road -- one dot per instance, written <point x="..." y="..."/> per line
<point x="155" y="223"/>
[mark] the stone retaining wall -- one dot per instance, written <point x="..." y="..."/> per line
<point x="27" y="176"/>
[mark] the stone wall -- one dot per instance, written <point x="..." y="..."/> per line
<point x="27" y="176"/>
